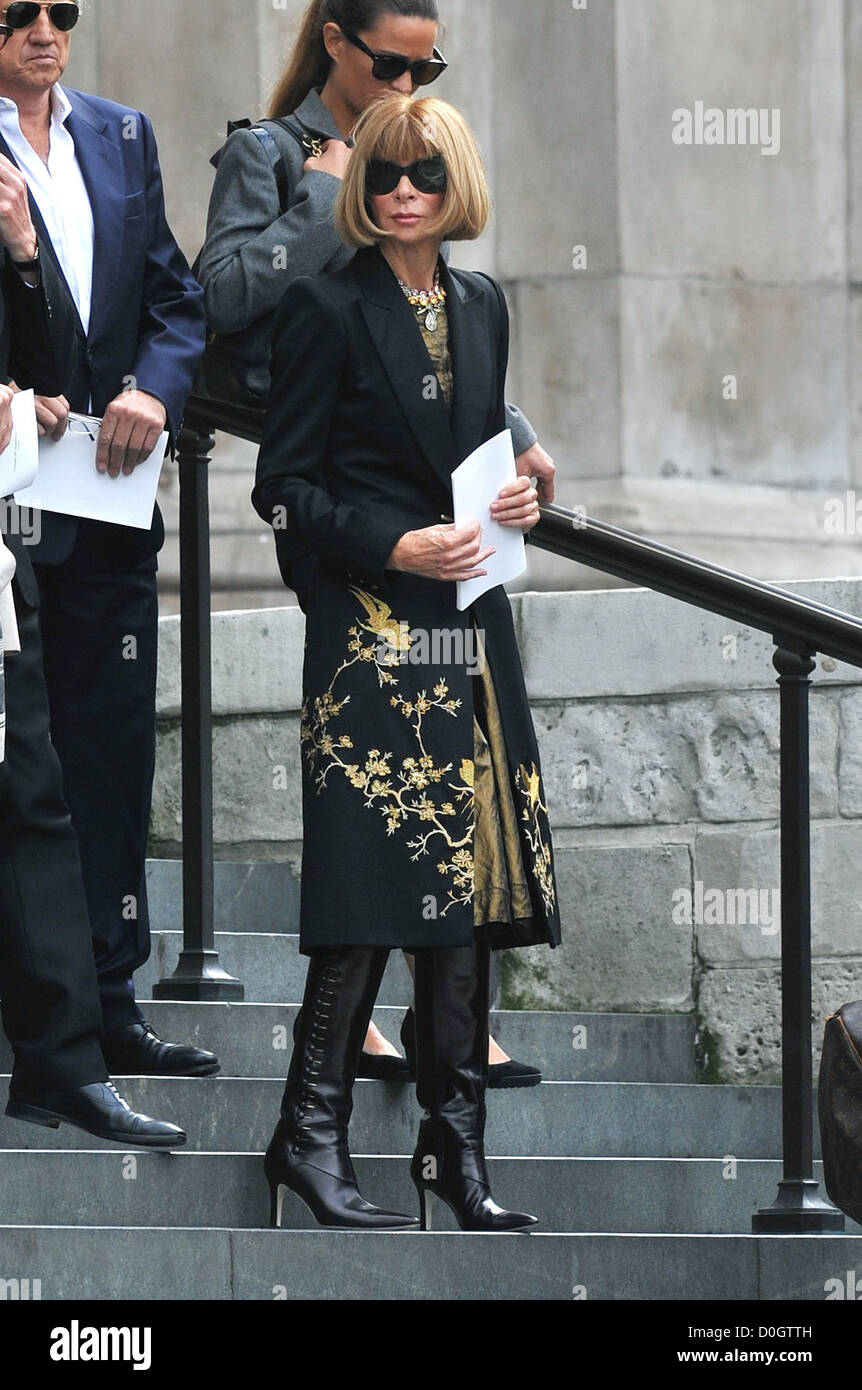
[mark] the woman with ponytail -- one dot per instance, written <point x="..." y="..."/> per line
<point x="272" y="219"/>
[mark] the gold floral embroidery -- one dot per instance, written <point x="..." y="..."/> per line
<point x="401" y="796"/>
<point x="529" y="783"/>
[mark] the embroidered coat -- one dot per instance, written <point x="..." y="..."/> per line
<point x="358" y="448"/>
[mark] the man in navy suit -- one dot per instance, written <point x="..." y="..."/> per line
<point x="98" y="206"/>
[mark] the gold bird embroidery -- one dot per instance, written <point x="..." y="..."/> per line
<point x="534" y="782"/>
<point x="381" y="622"/>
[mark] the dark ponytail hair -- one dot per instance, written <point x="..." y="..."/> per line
<point x="310" y="63"/>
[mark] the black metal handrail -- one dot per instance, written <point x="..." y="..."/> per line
<point x="799" y="627"/>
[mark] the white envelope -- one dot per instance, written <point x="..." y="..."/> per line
<point x="68" y="481"/>
<point x="475" y="485"/>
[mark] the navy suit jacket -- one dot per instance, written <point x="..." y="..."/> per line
<point x="146" y="327"/>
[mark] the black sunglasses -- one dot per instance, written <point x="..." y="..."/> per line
<point x="23" y="13"/>
<point x="386" y="67"/>
<point x="426" y="175"/>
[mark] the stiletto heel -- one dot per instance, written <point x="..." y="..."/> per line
<point x="308" y="1152"/>
<point x="424" y="1194"/>
<point x="276" y="1204"/>
<point x="451" y="1078"/>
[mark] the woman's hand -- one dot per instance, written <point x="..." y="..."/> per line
<point x="449" y="553"/>
<point x="334" y="159"/>
<point x="517" y="505"/>
<point x="537" y="463"/>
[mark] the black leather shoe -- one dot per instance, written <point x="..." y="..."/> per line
<point x="309" y="1153"/>
<point x="502" y="1076"/>
<point x="374" y="1066"/>
<point x="98" y="1109"/>
<point x="452" y="986"/>
<point x="137" y="1050"/>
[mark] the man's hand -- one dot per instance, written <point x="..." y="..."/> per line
<point x="448" y="553"/>
<point x="52" y="415"/>
<point x="16" y="225"/>
<point x="536" y="463"/>
<point x="6" y="394"/>
<point x="334" y="159"/>
<point x="130" y="430"/>
<point x="516" y="505"/>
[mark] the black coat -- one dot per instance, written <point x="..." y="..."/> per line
<point x="358" y="448"/>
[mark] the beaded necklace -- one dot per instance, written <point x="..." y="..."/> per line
<point x="426" y="303"/>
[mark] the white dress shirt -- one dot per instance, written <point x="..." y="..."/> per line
<point x="60" y="193"/>
<point x="8" y="628"/>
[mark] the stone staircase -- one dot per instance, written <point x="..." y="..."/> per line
<point x="644" y="1180"/>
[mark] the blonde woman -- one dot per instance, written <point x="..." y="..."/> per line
<point x="425" y="824"/>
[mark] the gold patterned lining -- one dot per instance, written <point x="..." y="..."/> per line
<point x="437" y="344"/>
<point x="500" y="891"/>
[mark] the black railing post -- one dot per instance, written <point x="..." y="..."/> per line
<point x="198" y="975"/>
<point x="798" y="1208"/>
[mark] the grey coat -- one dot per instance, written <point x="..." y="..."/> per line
<point x="253" y="251"/>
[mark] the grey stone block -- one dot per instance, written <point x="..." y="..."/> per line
<point x="723" y="211"/>
<point x="786" y="347"/>
<point x="256" y="782"/>
<point x="609" y="644"/>
<point x="566" y="360"/>
<point x="725" y="861"/>
<point x="543" y="213"/>
<point x="620" y="949"/>
<point x="741" y="1011"/>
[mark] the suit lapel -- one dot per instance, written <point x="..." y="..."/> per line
<point x="473" y="364"/>
<point x="404" y="358"/>
<point x="44" y="239"/>
<point x="102" y="169"/>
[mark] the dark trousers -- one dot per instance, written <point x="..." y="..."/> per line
<point x="100" y="635"/>
<point x="50" y="1001"/>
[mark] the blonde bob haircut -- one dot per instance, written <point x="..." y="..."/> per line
<point x="400" y="129"/>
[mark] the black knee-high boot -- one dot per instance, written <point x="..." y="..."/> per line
<point x="308" y="1152"/>
<point x="452" y="998"/>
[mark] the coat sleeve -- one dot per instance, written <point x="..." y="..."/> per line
<point x="253" y="251"/>
<point x="40" y="328"/>
<point x="309" y="360"/>
<point x="171" y="331"/>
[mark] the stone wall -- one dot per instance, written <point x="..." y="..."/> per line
<point x="658" y="727"/>
<point x="702" y="262"/>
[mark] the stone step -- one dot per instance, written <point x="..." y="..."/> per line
<point x="251" y="896"/>
<point x="257" y="1039"/>
<point x="563" y="1119"/>
<point x="673" y="1196"/>
<point x="269" y="966"/>
<point x="105" y="1262"/>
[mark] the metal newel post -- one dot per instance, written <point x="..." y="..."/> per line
<point x="798" y="1208"/>
<point x="198" y="975"/>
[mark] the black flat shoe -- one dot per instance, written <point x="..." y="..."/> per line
<point x="98" y="1109"/>
<point x="374" y="1066"/>
<point x="137" y="1050"/>
<point x="502" y="1076"/>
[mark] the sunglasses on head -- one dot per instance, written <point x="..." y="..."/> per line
<point x="386" y="67"/>
<point x="23" y="13"/>
<point x="426" y="175"/>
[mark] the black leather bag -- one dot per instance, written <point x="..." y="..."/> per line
<point x="231" y="360"/>
<point x="840" y="1107"/>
